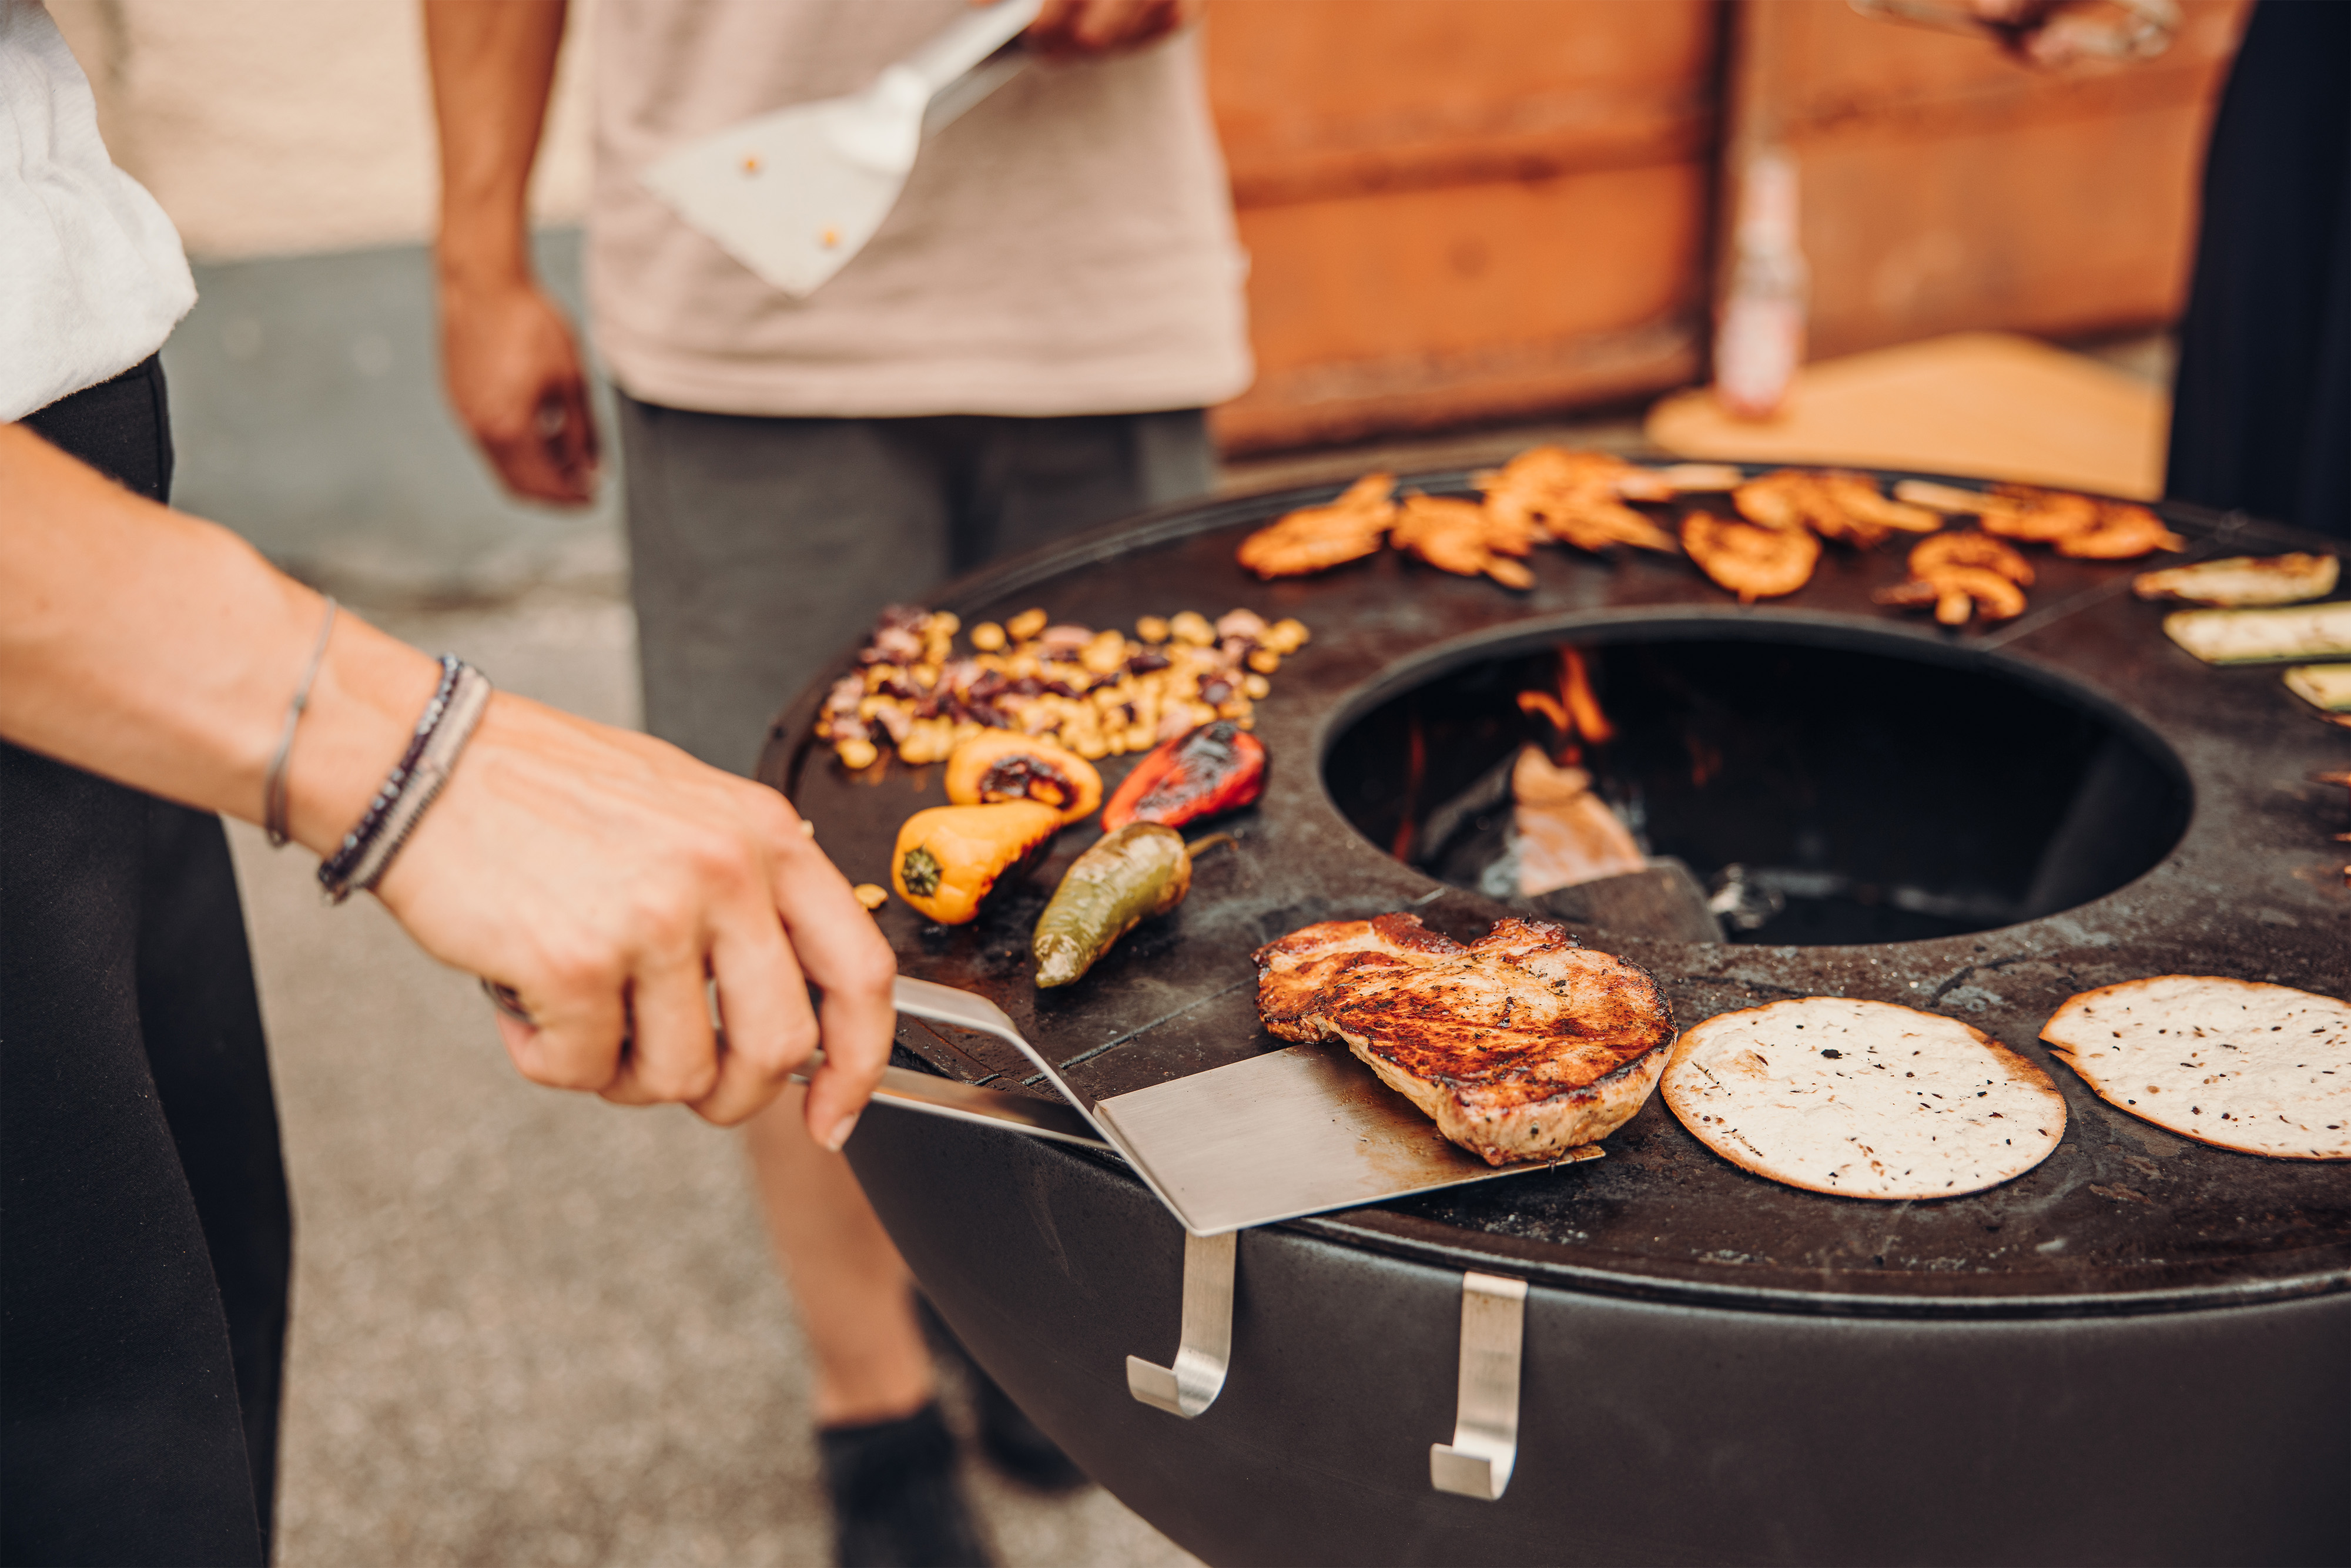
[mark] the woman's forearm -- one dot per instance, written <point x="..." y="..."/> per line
<point x="607" y="880"/>
<point x="162" y="651"/>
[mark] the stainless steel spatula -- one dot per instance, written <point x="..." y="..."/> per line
<point x="1293" y="1131"/>
<point x="794" y="194"/>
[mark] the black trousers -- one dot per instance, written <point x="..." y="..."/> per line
<point x="2262" y="412"/>
<point x="145" y="1236"/>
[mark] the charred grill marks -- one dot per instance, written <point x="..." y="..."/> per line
<point x="1515" y="1044"/>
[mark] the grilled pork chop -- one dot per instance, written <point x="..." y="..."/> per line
<point x="1519" y="1046"/>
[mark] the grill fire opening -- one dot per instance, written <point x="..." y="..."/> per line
<point x="1817" y="794"/>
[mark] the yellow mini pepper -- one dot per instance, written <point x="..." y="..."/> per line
<point x="950" y="858"/>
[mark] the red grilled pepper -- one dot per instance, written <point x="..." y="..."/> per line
<point x="1219" y="766"/>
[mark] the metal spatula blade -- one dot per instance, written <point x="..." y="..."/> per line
<point x="794" y="194"/>
<point x="1291" y="1132"/>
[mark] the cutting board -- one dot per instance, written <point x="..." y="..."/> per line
<point x="1989" y="404"/>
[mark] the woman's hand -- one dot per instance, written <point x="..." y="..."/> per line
<point x="605" y="877"/>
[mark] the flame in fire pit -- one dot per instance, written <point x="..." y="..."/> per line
<point x="1416" y="769"/>
<point x="1574" y="711"/>
<point x="1564" y="833"/>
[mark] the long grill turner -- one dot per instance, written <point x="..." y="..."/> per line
<point x="1291" y="1133"/>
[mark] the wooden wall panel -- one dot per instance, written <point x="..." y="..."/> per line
<point x="1830" y="66"/>
<point x="1948" y="187"/>
<point x="1466" y="210"/>
<point x="2087" y="230"/>
<point x="1421" y="307"/>
<point x="1463" y="209"/>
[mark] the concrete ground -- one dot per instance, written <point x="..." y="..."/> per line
<point x="530" y="1327"/>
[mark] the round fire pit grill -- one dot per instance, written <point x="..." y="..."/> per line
<point x="2138" y="1352"/>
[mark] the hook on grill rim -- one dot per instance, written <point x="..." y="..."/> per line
<point x="1204" y="1348"/>
<point x="1485" y="1448"/>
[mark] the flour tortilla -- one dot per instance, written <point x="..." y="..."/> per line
<point x="2265" y="1069"/>
<point x="1911" y="1105"/>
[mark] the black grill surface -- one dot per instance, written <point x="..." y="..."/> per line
<point x="2122" y="1217"/>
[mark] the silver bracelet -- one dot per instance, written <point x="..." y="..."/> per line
<point x="441" y="731"/>
<point x="273" y="783"/>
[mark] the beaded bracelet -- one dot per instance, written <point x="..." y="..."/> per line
<point x="441" y="731"/>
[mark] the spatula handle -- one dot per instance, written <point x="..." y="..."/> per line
<point x="969" y="39"/>
<point x="988" y="1107"/>
<point x="962" y="1009"/>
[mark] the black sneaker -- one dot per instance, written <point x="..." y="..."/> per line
<point x="895" y="1503"/>
<point x="1012" y="1442"/>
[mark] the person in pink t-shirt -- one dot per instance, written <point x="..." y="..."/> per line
<point x="1025" y="348"/>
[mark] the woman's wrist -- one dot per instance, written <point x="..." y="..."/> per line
<point x="363" y="712"/>
<point x="435" y="744"/>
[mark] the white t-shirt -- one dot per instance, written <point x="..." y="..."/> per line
<point x="92" y="278"/>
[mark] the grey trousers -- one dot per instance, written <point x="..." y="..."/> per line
<point x="760" y="548"/>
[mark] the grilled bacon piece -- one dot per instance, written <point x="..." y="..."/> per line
<point x="2121" y="533"/>
<point x="1576" y="497"/>
<point x="1313" y="538"/>
<point x="1464" y="538"/>
<point x="1519" y="1046"/>
<point x="1752" y="562"/>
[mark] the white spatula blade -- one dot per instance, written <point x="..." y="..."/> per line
<point x="793" y="195"/>
<point x="779" y="194"/>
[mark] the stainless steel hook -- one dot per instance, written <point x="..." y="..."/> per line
<point x="1485" y="1446"/>
<point x="1205" y="1347"/>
